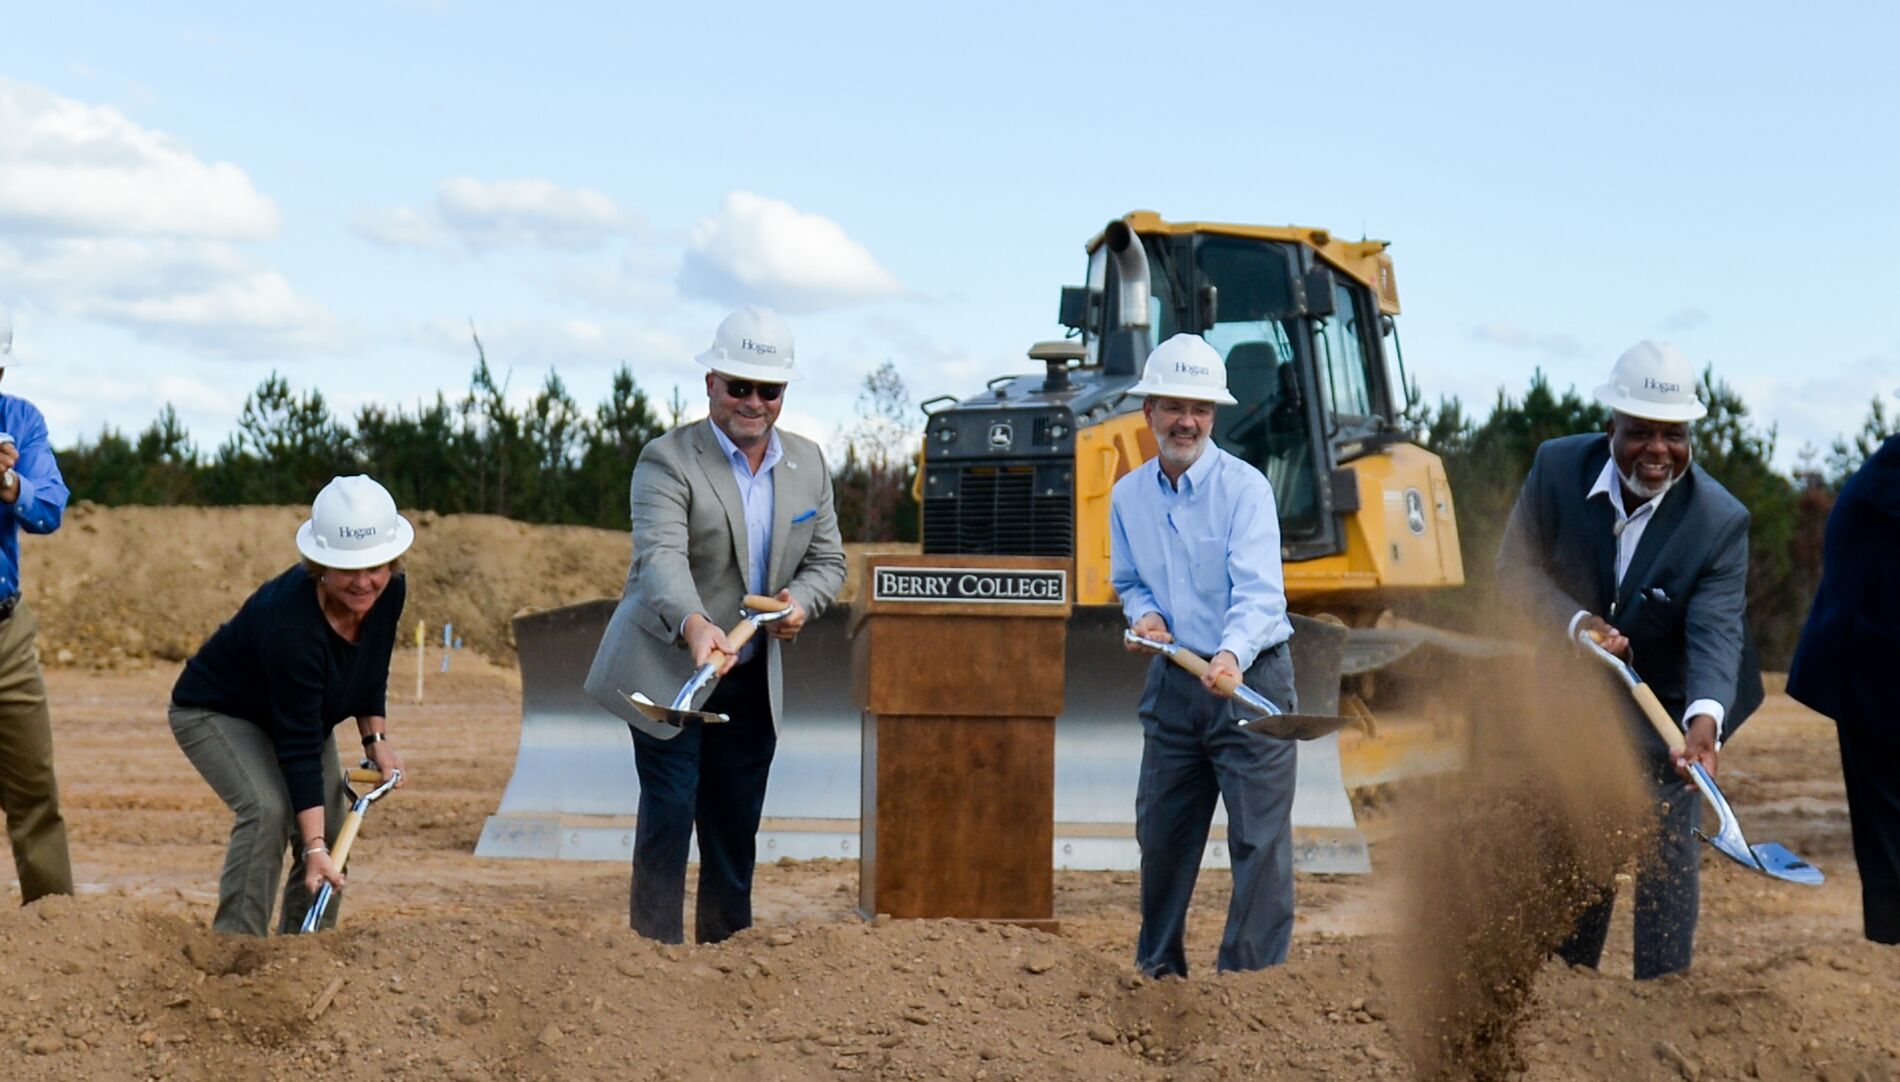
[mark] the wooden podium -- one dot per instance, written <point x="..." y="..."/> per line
<point x="957" y="662"/>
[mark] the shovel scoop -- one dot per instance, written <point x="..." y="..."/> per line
<point x="1268" y="718"/>
<point x="1771" y="859"/>
<point x="755" y="612"/>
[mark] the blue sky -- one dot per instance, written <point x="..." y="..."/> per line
<point x="193" y="195"/>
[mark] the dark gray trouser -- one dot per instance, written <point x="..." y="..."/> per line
<point x="1192" y="752"/>
<point x="1668" y="894"/>
<point x="28" y="791"/>
<point x="240" y="762"/>
<point x="708" y="780"/>
<point x="1870" y="763"/>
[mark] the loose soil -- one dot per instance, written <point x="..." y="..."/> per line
<point x="450" y="967"/>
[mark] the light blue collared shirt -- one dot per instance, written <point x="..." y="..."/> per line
<point x="42" y="501"/>
<point x="755" y="491"/>
<point x="1205" y="556"/>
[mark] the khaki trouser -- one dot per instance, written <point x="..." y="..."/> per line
<point x="27" y="789"/>
<point x="240" y="762"/>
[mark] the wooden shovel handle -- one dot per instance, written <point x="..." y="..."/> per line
<point x="345" y="838"/>
<point x="740" y="635"/>
<point x="1197" y="665"/>
<point x="1659" y="718"/>
<point x="362" y="775"/>
<point x="1652" y="707"/>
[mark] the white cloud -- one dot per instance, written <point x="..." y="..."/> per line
<point x="500" y="213"/>
<point x="1559" y="344"/>
<point x="760" y="250"/>
<point x="107" y="221"/>
<point x="403" y="227"/>
<point x="68" y="168"/>
<point x="200" y="295"/>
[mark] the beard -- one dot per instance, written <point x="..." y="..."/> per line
<point x="1181" y="458"/>
<point x="1649" y="492"/>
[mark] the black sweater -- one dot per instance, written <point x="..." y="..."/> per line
<point x="279" y="665"/>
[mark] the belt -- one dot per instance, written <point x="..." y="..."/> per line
<point x="7" y="606"/>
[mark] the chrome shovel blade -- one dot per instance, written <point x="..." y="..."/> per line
<point x="1777" y="861"/>
<point x="667" y="715"/>
<point x="1295" y="726"/>
<point x="1272" y="721"/>
<point x="1769" y="858"/>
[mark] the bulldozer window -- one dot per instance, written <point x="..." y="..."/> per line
<point x="1343" y="365"/>
<point x="1254" y="334"/>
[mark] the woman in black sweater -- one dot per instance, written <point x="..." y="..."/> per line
<point x="255" y="706"/>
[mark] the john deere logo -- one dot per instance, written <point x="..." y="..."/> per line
<point x="1415" y="511"/>
<point x="1001" y="436"/>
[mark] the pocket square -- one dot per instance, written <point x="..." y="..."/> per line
<point x="1657" y="593"/>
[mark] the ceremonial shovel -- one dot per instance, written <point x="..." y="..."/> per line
<point x="1268" y="719"/>
<point x="755" y="612"/>
<point x="346" y="836"/>
<point x="1769" y="858"/>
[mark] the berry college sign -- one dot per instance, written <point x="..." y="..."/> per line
<point x="970" y="585"/>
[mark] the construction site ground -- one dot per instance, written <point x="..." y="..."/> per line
<point x="450" y="967"/>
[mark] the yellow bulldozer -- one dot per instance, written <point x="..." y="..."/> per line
<point x="1305" y="322"/>
<point x="1024" y="468"/>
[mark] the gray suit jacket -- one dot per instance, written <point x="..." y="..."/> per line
<point x="1683" y="598"/>
<point x="689" y="555"/>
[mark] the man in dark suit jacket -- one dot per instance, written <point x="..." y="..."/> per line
<point x="1622" y="535"/>
<point x="1847" y="666"/>
<point x="721" y="508"/>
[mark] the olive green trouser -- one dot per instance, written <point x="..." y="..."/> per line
<point x="27" y="789"/>
<point x="239" y="760"/>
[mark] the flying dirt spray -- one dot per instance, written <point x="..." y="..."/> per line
<point x="1499" y="860"/>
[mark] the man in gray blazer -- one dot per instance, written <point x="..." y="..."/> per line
<point x="721" y="508"/>
<point x="1622" y="535"/>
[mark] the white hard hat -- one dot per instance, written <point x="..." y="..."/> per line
<point x="754" y="344"/>
<point x="1185" y="366"/>
<point x="353" y="524"/>
<point x="6" y="335"/>
<point x="1654" y="381"/>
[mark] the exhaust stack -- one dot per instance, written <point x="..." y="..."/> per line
<point x="1126" y="345"/>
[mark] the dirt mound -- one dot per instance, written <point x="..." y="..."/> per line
<point x="120" y="586"/>
<point x="131" y="584"/>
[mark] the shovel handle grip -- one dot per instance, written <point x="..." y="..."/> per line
<point x="761" y="603"/>
<point x="360" y="775"/>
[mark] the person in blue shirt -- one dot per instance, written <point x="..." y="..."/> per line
<point x="32" y="498"/>
<point x="1195" y="558"/>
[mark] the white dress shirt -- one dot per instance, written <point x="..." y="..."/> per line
<point x="1628" y="531"/>
<point x="755" y="491"/>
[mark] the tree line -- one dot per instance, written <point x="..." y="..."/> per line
<point x="551" y="461"/>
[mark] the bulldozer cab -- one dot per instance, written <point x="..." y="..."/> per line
<point x="1304" y="344"/>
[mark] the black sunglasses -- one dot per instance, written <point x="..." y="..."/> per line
<point x="743" y="388"/>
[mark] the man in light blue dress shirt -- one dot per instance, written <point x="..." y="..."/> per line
<point x="32" y="498"/>
<point x="1195" y="557"/>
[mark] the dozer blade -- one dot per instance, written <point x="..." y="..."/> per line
<point x="574" y="792"/>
